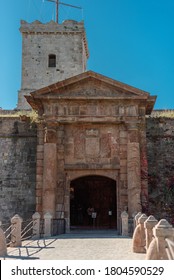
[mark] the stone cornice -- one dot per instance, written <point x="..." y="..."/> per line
<point x="82" y="119"/>
<point x="93" y="86"/>
<point x="86" y="76"/>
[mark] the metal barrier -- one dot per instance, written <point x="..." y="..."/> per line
<point x="58" y="226"/>
<point x="130" y="226"/>
<point x="41" y="228"/>
<point x="13" y="234"/>
<point x="27" y="230"/>
<point x="8" y="235"/>
<point x="8" y="230"/>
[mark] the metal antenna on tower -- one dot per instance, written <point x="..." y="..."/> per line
<point x="57" y="2"/>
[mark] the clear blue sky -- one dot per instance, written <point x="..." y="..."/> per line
<point x="131" y="41"/>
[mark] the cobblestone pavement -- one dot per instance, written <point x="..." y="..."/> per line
<point x="96" y="245"/>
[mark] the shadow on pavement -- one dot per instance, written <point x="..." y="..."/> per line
<point x="29" y="249"/>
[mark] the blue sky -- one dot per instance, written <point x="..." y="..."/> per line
<point x="131" y="41"/>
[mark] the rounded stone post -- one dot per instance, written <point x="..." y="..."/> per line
<point x="137" y="216"/>
<point x="36" y="225"/>
<point x="149" y="225"/>
<point x="47" y="224"/>
<point x="161" y="231"/>
<point x="139" y="238"/>
<point x="124" y="223"/>
<point x="3" y="245"/>
<point x="16" y="223"/>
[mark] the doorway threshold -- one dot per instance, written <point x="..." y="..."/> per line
<point x="93" y="232"/>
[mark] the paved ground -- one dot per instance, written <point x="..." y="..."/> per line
<point x="89" y="245"/>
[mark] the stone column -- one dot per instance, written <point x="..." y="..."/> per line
<point x="39" y="166"/>
<point x="124" y="223"/>
<point x="49" y="172"/>
<point x="16" y="223"/>
<point x="149" y="225"/>
<point x="133" y="171"/>
<point x="36" y="225"/>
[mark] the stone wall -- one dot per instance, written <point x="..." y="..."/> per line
<point x="18" y="142"/>
<point x="160" y="148"/>
<point x="17" y="167"/>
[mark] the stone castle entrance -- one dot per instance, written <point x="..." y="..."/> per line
<point x="91" y="128"/>
<point x="98" y="192"/>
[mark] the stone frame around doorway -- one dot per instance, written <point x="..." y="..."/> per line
<point x="90" y="124"/>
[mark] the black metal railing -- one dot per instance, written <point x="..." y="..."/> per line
<point x="41" y="228"/>
<point x="58" y="226"/>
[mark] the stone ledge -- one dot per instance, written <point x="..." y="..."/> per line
<point x="86" y="166"/>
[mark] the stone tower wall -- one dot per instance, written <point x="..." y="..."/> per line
<point x="67" y="41"/>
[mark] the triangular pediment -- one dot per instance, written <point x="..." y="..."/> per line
<point x="85" y="86"/>
<point x="90" y="84"/>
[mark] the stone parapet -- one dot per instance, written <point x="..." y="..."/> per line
<point x="51" y="27"/>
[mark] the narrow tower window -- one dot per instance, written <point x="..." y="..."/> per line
<point x="52" y="60"/>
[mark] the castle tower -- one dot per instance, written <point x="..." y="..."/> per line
<point x="51" y="52"/>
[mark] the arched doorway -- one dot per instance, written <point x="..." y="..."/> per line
<point x="98" y="192"/>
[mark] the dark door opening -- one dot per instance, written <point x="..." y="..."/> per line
<point x="98" y="192"/>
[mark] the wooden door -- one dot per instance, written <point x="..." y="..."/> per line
<point x="98" y="192"/>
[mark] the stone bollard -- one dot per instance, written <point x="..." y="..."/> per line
<point x="3" y="245"/>
<point x="36" y="225"/>
<point x="47" y="224"/>
<point x="157" y="248"/>
<point x="137" y="216"/>
<point x="139" y="238"/>
<point x="16" y="223"/>
<point x="124" y="223"/>
<point x="149" y="225"/>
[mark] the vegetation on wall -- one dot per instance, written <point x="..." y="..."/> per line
<point x="160" y="148"/>
<point x="29" y="115"/>
<point x="162" y="114"/>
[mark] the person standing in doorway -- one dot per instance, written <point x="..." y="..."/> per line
<point x="90" y="210"/>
